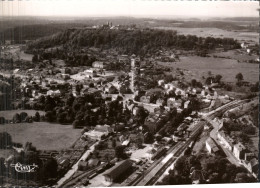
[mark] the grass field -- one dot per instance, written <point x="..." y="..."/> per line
<point x="217" y="33"/>
<point x="43" y="135"/>
<point x="10" y="113"/>
<point x="228" y="68"/>
<point x="236" y="54"/>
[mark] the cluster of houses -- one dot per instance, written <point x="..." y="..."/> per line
<point x="241" y="153"/>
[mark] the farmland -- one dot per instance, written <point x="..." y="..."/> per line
<point x="228" y="68"/>
<point x="43" y="135"/>
<point x="214" y="32"/>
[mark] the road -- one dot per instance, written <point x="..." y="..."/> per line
<point x="216" y="126"/>
<point x="75" y="166"/>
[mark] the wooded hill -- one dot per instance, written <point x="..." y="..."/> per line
<point x="139" y="41"/>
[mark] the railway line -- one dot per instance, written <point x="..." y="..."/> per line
<point x="150" y="177"/>
<point x="158" y="170"/>
<point x="75" y="179"/>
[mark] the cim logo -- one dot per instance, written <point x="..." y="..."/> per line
<point x="24" y="168"/>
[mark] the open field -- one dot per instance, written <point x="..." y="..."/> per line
<point x="239" y="55"/>
<point x="228" y="68"/>
<point x="43" y="135"/>
<point x="217" y="33"/>
<point x="8" y="114"/>
<point x="16" y="52"/>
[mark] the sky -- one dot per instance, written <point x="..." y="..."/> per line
<point x="138" y="8"/>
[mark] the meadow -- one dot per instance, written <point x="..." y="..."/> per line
<point x="215" y="32"/>
<point x="228" y="68"/>
<point x="43" y="135"/>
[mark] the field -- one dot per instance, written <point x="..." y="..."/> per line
<point x="228" y="68"/>
<point x="16" y="53"/>
<point x="217" y="33"/>
<point x="43" y="135"/>
<point x="239" y="55"/>
<point x="10" y="113"/>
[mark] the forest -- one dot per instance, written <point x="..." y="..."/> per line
<point x="139" y="41"/>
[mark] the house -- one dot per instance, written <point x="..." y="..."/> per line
<point x="239" y="151"/>
<point x="211" y="146"/>
<point x="186" y="104"/>
<point x="98" y="132"/>
<point x="145" y="99"/>
<point x="160" y="82"/>
<point x="89" y="73"/>
<point x="99" y="65"/>
<point x="93" y="162"/>
<point x="115" y="172"/>
<point x="169" y="86"/>
<point x="154" y="122"/>
<point x="202" y="93"/>
<point x="53" y="93"/>
<point x="103" y="128"/>
<point x="225" y="140"/>
<point x="83" y="165"/>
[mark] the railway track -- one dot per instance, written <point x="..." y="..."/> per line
<point x="74" y="179"/>
<point x="151" y="178"/>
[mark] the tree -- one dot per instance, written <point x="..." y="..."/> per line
<point x="17" y="118"/>
<point x="5" y="140"/>
<point x="37" y="117"/>
<point x="35" y="58"/>
<point x="2" y="120"/>
<point x="50" y="116"/>
<point x="120" y="152"/>
<point x="23" y="116"/>
<point x="239" y="77"/>
<point x="218" y="78"/>
<point x="193" y="82"/>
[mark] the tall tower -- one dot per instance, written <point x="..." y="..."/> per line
<point x="132" y="74"/>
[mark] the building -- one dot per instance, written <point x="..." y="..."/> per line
<point x="90" y="73"/>
<point x="239" y="151"/>
<point x="104" y="128"/>
<point x="211" y="146"/>
<point x="145" y="99"/>
<point x="225" y="140"/>
<point x="249" y="156"/>
<point x="98" y="64"/>
<point x="112" y="174"/>
<point x="98" y="132"/>
<point x="154" y="122"/>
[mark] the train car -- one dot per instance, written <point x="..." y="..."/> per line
<point x="92" y="175"/>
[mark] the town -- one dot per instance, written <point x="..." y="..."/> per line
<point x="92" y="108"/>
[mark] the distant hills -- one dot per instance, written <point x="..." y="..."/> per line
<point x="29" y="28"/>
